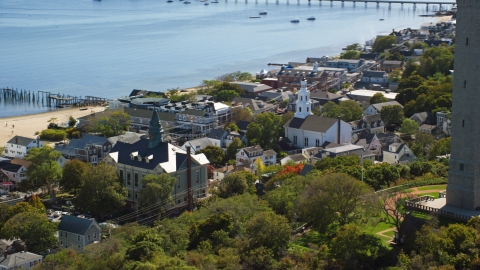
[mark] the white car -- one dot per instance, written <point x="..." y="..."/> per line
<point x="57" y="213"/>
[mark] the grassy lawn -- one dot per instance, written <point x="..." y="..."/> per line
<point x="443" y="221"/>
<point x="390" y="233"/>
<point x="439" y="187"/>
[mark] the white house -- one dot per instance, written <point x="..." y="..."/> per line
<point x="307" y="130"/>
<point x="197" y="144"/>
<point x="395" y="153"/>
<point x="247" y="156"/>
<point x="12" y="172"/>
<point x="18" y="146"/>
<point x="377" y="108"/>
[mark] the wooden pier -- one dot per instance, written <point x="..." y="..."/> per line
<point x="16" y="96"/>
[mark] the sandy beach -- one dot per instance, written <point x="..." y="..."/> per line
<point x="27" y="125"/>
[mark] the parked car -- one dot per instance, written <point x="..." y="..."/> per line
<point x="57" y="213"/>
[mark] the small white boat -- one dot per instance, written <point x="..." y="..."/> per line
<point x="295" y="21"/>
<point x="312" y="18"/>
<point x="262" y="12"/>
<point x="254" y="17"/>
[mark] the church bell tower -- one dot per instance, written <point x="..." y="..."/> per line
<point x="304" y="104"/>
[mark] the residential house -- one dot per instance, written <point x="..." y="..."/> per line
<point x="368" y="141"/>
<point x="375" y="77"/>
<point x="320" y="78"/>
<point x="295" y="158"/>
<point x="272" y="82"/>
<point x="18" y="146"/>
<point x="232" y="135"/>
<point x="242" y="125"/>
<point x="220" y="173"/>
<point x="12" y="172"/>
<point x="372" y="123"/>
<point x="154" y="156"/>
<point x="247" y="156"/>
<point x="253" y="88"/>
<point x="90" y="148"/>
<point x="390" y="65"/>
<point x="377" y="108"/>
<point x="256" y="105"/>
<point x="20" y="260"/>
<point x="323" y="97"/>
<point x="76" y="233"/>
<point x="431" y="124"/>
<point x="307" y="130"/>
<point x="217" y="136"/>
<point x="278" y="95"/>
<point x="397" y="153"/>
<point x="197" y="144"/>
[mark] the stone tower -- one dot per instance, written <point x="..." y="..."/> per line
<point x="463" y="188"/>
<point x="304" y="104"/>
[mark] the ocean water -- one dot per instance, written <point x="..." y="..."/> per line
<point x="107" y="48"/>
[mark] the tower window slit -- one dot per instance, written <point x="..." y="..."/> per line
<point x="466" y="42"/>
<point x="465" y="84"/>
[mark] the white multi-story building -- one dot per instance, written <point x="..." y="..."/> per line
<point x="18" y="146"/>
<point x="247" y="156"/>
<point x="307" y="130"/>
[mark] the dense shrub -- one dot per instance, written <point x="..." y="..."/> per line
<point x="53" y="135"/>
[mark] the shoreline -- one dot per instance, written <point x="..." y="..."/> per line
<point x="27" y="125"/>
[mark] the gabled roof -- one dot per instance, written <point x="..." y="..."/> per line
<point x="297" y="157"/>
<point x="76" y="225"/>
<point x="312" y="123"/>
<point x="216" y="134"/>
<point x="14" y="259"/>
<point x="425" y="117"/>
<point x="9" y="167"/>
<point x="250" y="151"/>
<point x="379" y="106"/>
<point x="87" y="139"/>
<point x="318" y="94"/>
<point x="201" y="142"/>
<point x="130" y="137"/>
<point x="372" y="73"/>
<point x="242" y="125"/>
<point x="269" y="153"/>
<point x="19" y="140"/>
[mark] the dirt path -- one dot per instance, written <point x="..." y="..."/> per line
<point x="416" y="191"/>
<point x="382" y="233"/>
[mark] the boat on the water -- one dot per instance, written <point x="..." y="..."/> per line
<point x="254" y="17"/>
<point x="262" y="12"/>
<point x="382" y="19"/>
<point x="214" y="2"/>
<point x="295" y="21"/>
<point x="169" y="1"/>
<point x="312" y="18"/>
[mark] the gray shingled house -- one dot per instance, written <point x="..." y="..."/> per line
<point x="76" y="233"/>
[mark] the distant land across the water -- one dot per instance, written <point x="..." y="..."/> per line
<point x="107" y="48"/>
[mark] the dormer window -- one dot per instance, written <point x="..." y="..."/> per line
<point x="133" y="155"/>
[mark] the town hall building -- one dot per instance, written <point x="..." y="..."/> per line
<point x="154" y="156"/>
<point x="307" y="130"/>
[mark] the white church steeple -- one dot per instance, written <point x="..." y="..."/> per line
<point x="304" y="104"/>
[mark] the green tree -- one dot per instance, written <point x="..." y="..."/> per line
<point x="392" y="114"/>
<point x="72" y="121"/>
<point x="409" y="126"/>
<point x="233" y="148"/>
<point x="259" y="167"/>
<point x="410" y="67"/>
<point x="226" y="95"/>
<point x="36" y="203"/>
<point x="348" y="110"/>
<point x="232" y="127"/>
<point x="354" y="47"/>
<point x="383" y="43"/>
<point x="394" y="208"/>
<point x="158" y="189"/>
<point x="422" y="144"/>
<point x="269" y="230"/>
<point x="45" y="169"/>
<point x="440" y="147"/>
<point x="350" y="55"/>
<point x="265" y="130"/>
<point x="214" y="154"/>
<point x="33" y="228"/>
<point x="72" y="180"/>
<point x="241" y="114"/>
<point x="287" y="116"/>
<point x="110" y="124"/>
<point x="229" y="86"/>
<point x="378" y="98"/>
<point x="101" y="192"/>
<point x="335" y="199"/>
<point x="395" y="75"/>
<point x="353" y="249"/>
<point x="237" y="183"/>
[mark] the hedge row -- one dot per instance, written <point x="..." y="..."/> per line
<point x="53" y="135"/>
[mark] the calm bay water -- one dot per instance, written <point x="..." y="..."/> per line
<point x="107" y="48"/>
